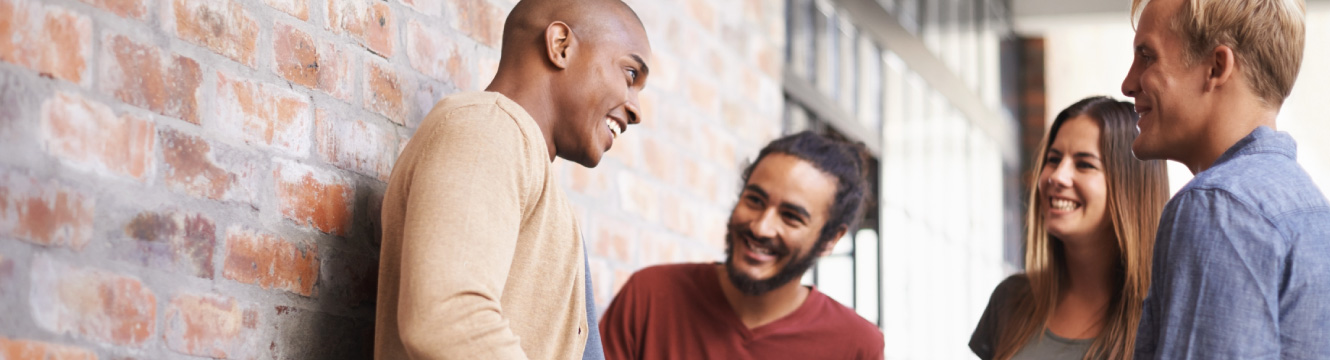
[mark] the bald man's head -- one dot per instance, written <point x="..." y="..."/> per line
<point x="590" y="20"/>
<point x="576" y="66"/>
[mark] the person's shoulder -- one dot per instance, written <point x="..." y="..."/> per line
<point x="1267" y="180"/>
<point x="1014" y="284"/>
<point x="469" y="112"/>
<point x="481" y="122"/>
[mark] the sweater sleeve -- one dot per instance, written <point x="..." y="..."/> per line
<point x="463" y="213"/>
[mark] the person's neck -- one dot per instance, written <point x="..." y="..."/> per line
<point x="533" y="95"/>
<point x="1232" y="120"/>
<point x="1087" y="290"/>
<point x="1090" y="267"/>
<point x="757" y="310"/>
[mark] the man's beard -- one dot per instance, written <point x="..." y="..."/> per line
<point x="754" y="287"/>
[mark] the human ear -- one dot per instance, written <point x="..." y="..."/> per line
<point x="1223" y="64"/>
<point x="840" y="233"/>
<point x="559" y="41"/>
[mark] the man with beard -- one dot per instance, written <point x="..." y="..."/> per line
<point x="801" y="195"/>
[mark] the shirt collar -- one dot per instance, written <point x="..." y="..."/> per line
<point x="1261" y="140"/>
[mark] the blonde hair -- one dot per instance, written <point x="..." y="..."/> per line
<point x="1136" y="194"/>
<point x="1266" y="36"/>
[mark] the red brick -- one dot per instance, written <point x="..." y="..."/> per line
<point x="88" y="134"/>
<point x="313" y="197"/>
<point x="301" y="60"/>
<point x="436" y="55"/>
<point x="270" y="262"/>
<point x="95" y="304"/>
<point x="134" y="9"/>
<point x="44" y="213"/>
<point x="592" y="182"/>
<point x="186" y="239"/>
<point x="371" y="23"/>
<point x="702" y="11"/>
<point x="769" y="59"/>
<point x="264" y="114"/>
<point x="489" y="66"/>
<point x="297" y="8"/>
<point x="638" y="196"/>
<point x="36" y="350"/>
<point x="427" y="7"/>
<point x="615" y="240"/>
<point x="6" y="274"/>
<point x="676" y="215"/>
<point x="621" y="276"/>
<point x="701" y="179"/>
<point x="190" y="167"/>
<point x="628" y="148"/>
<point x="222" y="26"/>
<point x="145" y="76"/>
<point x="601" y="281"/>
<point x="703" y="95"/>
<point x="661" y="159"/>
<point x="48" y="39"/>
<point x="355" y="145"/>
<point x="481" y="20"/>
<point x="384" y="92"/>
<point x="659" y="249"/>
<point x="721" y="150"/>
<point x="209" y="325"/>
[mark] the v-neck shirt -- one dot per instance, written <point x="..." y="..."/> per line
<point x="680" y="312"/>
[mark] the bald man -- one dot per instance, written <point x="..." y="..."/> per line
<point x="482" y="257"/>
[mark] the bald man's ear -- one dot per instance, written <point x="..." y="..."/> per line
<point x="559" y="41"/>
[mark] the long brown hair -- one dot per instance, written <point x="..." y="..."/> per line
<point x="1137" y="191"/>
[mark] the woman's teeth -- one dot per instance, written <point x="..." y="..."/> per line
<point x="614" y="127"/>
<point x="1063" y="204"/>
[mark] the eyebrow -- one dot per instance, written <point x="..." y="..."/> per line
<point x="643" y="64"/>
<point x="785" y="205"/>
<point x="1076" y="155"/>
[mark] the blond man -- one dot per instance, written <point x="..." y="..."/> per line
<point x="1243" y="250"/>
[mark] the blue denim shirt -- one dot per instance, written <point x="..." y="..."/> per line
<point x="1242" y="261"/>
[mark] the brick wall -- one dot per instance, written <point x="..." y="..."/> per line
<point x="202" y="178"/>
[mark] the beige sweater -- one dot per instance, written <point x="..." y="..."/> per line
<point x="481" y="257"/>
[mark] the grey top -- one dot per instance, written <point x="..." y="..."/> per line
<point x="997" y="318"/>
<point x="595" y="350"/>
<point x="1241" y="261"/>
<point x="1050" y="346"/>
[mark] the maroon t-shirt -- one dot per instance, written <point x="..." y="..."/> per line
<point x="679" y="312"/>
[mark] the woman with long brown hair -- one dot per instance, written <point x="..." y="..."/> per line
<point x="1090" y="227"/>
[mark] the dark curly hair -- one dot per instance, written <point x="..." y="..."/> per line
<point x="847" y="162"/>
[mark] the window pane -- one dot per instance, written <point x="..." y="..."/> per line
<point x="848" y="69"/>
<point x="835" y="277"/>
<point x="866" y="274"/>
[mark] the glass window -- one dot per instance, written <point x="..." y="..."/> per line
<point x="867" y="269"/>
<point x="848" y="74"/>
<point x="827" y="41"/>
<point x="799" y="51"/>
<point x="870" y="87"/>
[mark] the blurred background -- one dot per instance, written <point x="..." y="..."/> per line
<point x="202" y="178"/>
